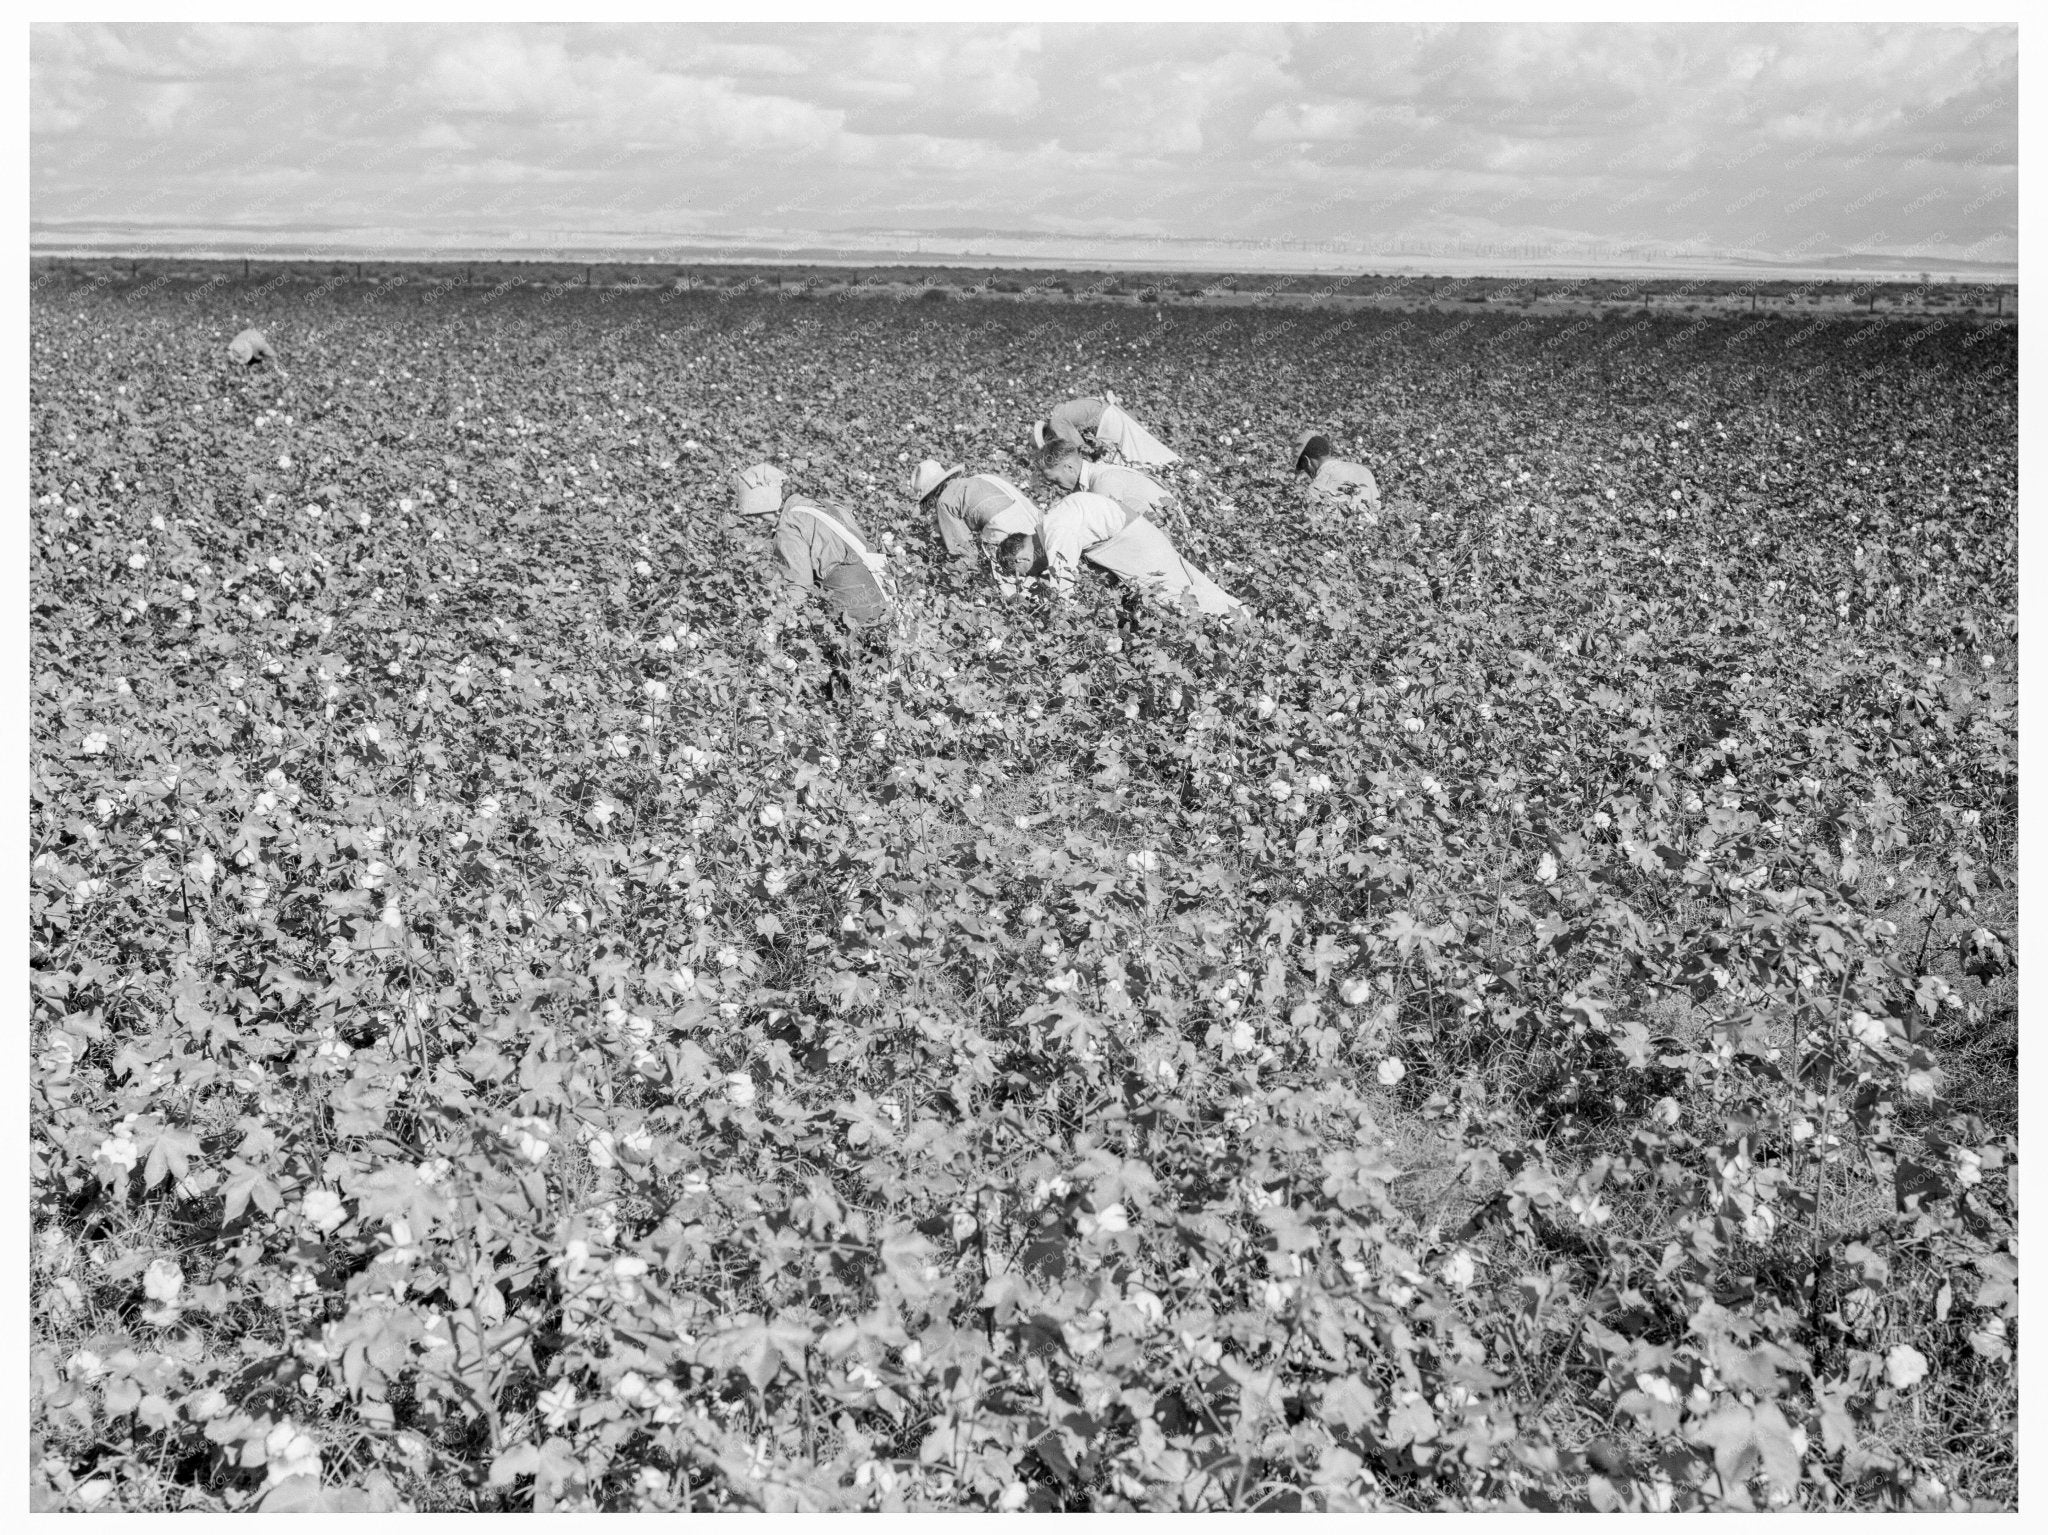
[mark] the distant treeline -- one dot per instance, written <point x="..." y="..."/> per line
<point x="1141" y="287"/>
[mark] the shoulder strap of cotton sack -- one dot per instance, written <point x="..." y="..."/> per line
<point x="874" y="562"/>
<point x="1123" y="511"/>
<point x="845" y="533"/>
<point x="1017" y="497"/>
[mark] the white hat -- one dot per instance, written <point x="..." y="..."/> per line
<point x="929" y="476"/>
<point x="759" y="489"/>
<point x="1041" y="434"/>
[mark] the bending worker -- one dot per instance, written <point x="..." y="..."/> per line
<point x="251" y="349"/>
<point x="1334" y="480"/>
<point x="1063" y="464"/>
<point x="822" y="551"/>
<point x="1089" y="526"/>
<point x="971" y="510"/>
<point x="1102" y="429"/>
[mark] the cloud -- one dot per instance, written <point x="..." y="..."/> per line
<point x="1761" y="136"/>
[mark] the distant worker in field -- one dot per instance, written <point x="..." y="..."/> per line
<point x="1086" y="525"/>
<point x="1063" y="465"/>
<point x="1335" y="481"/>
<point x="823" y="551"/>
<point x="972" y="512"/>
<point x="251" y="349"/>
<point x="1103" y="429"/>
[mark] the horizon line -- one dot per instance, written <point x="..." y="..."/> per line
<point x="1842" y="267"/>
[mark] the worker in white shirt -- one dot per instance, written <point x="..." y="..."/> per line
<point x="1103" y="429"/>
<point x="823" y="551"/>
<point x="1065" y="466"/>
<point x="251" y="349"/>
<point x="1085" y="525"/>
<point x="1335" y="481"/>
<point x="971" y="511"/>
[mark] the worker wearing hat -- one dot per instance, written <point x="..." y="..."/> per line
<point x="823" y="551"/>
<point x="1065" y="466"/>
<point x="1334" y="480"/>
<point x="971" y="511"/>
<point x="1086" y="525"/>
<point x="821" y="546"/>
<point x="1102" y="429"/>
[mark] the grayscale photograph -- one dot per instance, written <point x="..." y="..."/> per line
<point x="1218" y="767"/>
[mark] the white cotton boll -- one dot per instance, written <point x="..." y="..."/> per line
<point x="162" y="1281"/>
<point x="1868" y="1031"/>
<point x="1658" y="1388"/>
<point x="288" y="1452"/>
<point x="1112" y="1218"/>
<point x="1391" y="1071"/>
<point x="1905" y="1366"/>
<point x="119" y="1151"/>
<point x="323" y="1209"/>
<point x="85" y="1365"/>
<point x="529" y="1138"/>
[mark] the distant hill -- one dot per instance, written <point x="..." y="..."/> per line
<point x="1866" y="261"/>
<point x="974" y="246"/>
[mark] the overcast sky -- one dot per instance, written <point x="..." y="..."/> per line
<point x="1799" y="139"/>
